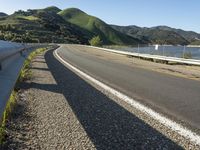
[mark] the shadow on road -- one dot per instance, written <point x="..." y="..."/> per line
<point x="37" y="68"/>
<point x="108" y="125"/>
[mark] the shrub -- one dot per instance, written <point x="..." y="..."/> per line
<point x="8" y="109"/>
<point x="187" y="55"/>
<point x="95" y="41"/>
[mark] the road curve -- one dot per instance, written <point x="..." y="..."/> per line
<point x="176" y="97"/>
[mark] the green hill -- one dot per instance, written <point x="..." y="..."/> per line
<point x="52" y="9"/>
<point x="42" y="25"/>
<point x="97" y="27"/>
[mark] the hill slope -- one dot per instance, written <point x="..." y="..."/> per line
<point x="97" y="27"/>
<point x="189" y="35"/>
<point x="154" y="35"/>
<point x="42" y="25"/>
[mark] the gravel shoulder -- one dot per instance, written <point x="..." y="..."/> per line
<point x="59" y="110"/>
<point x="43" y="119"/>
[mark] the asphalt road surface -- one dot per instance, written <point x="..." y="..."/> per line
<point x="176" y="97"/>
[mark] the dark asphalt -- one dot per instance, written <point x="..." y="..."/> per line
<point x="174" y="96"/>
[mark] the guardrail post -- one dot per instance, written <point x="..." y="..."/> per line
<point x="0" y="66"/>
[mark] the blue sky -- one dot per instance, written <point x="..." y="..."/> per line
<point x="183" y="14"/>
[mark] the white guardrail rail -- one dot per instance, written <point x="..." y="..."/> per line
<point x="154" y="57"/>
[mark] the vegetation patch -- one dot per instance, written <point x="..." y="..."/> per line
<point x="187" y="55"/>
<point x="26" y="73"/>
<point x="31" y="18"/>
<point x="9" y="107"/>
<point x="95" y="41"/>
<point x="195" y="42"/>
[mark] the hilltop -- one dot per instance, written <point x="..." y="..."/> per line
<point x="52" y="9"/>
<point x="96" y="27"/>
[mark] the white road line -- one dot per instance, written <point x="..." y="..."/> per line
<point x="178" y="128"/>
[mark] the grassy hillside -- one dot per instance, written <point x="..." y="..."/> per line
<point x="97" y="27"/>
<point x="40" y="26"/>
<point x="195" y="42"/>
<point x="154" y="35"/>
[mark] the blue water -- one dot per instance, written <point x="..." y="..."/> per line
<point x="173" y="51"/>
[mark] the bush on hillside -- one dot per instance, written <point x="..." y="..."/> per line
<point x="95" y="41"/>
<point x="187" y="55"/>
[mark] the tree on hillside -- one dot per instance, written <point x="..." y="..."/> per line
<point x="95" y="41"/>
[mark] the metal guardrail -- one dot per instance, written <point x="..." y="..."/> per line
<point x="11" y="62"/>
<point x="5" y="56"/>
<point x="154" y="57"/>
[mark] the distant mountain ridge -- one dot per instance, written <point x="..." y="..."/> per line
<point x="72" y="25"/>
<point x="189" y="35"/>
<point x="160" y="34"/>
<point x="3" y="14"/>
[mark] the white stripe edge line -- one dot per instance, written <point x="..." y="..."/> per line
<point x="183" y="131"/>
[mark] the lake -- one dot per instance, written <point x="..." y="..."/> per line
<point x="173" y="51"/>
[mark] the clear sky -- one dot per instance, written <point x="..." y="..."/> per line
<point x="183" y="14"/>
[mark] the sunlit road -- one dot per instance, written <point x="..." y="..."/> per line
<point x="174" y="96"/>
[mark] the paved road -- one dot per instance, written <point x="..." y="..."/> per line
<point x="177" y="97"/>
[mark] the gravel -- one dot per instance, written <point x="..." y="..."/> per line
<point x="59" y="110"/>
<point x="43" y="119"/>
